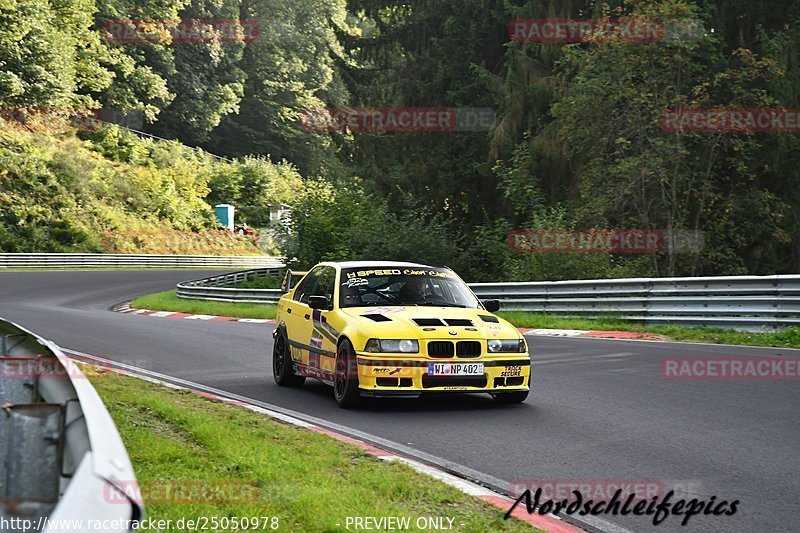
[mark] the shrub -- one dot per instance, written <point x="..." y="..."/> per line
<point x="207" y="242"/>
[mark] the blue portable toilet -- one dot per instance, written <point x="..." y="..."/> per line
<point x="225" y="215"/>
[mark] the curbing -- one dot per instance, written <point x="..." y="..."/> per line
<point x="127" y="309"/>
<point x="595" y="334"/>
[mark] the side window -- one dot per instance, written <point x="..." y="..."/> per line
<point x="326" y="283"/>
<point x="306" y="286"/>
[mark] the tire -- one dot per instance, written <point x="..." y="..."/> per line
<point x="511" y="397"/>
<point x="282" y="364"/>
<point x="345" y="383"/>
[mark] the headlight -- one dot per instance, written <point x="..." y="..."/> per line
<point x="392" y="346"/>
<point x="497" y="345"/>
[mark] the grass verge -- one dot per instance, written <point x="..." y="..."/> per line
<point x="168" y="301"/>
<point x="178" y="442"/>
<point x="787" y="338"/>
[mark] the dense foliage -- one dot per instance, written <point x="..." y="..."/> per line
<point x="577" y="142"/>
<point x="203" y="242"/>
<point x="109" y="190"/>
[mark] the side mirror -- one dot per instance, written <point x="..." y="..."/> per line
<point x="318" y="302"/>
<point x="492" y="306"/>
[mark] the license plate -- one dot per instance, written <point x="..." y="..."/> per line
<point x="455" y="369"/>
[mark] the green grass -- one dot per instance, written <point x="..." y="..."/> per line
<point x="309" y="481"/>
<point x="787" y="338"/>
<point x="262" y="282"/>
<point x="524" y="319"/>
<point x="168" y="301"/>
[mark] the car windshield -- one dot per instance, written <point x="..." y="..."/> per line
<point x="404" y="286"/>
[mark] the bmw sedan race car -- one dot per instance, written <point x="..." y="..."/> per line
<point x="393" y="329"/>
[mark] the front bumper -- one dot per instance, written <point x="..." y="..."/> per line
<point x="408" y="376"/>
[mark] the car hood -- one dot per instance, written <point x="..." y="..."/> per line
<point x="428" y="322"/>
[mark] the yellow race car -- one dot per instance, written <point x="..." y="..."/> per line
<point x="389" y="329"/>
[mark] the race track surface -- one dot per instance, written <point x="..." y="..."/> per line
<point x="599" y="409"/>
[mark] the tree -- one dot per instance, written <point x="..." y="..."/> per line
<point x="204" y="76"/>
<point x="41" y="46"/>
<point x="632" y="173"/>
<point x="288" y="72"/>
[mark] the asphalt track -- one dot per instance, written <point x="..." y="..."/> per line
<point x="599" y="409"/>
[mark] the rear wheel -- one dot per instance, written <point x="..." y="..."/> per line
<point x="282" y="364"/>
<point x="511" y="397"/>
<point x="345" y="384"/>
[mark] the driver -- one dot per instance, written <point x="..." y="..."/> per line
<point x="415" y="290"/>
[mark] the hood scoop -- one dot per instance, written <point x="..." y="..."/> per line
<point x="489" y="318"/>
<point x="375" y="317"/>
<point x="428" y="322"/>
<point x="439" y="322"/>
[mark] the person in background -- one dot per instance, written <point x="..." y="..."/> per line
<point x="244" y="230"/>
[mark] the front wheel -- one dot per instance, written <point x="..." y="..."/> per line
<point x="511" y="397"/>
<point x="282" y="364"/>
<point x="345" y="384"/>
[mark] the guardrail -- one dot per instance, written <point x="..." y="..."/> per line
<point x="219" y="288"/>
<point x="62" y="456"/>
<point x="741" y="302"/>
<point x="135" y="261"/>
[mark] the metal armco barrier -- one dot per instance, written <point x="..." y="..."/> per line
<point x="135" y="261"/>
<point x="740" y="302"/>
<point x="222" y="288"/>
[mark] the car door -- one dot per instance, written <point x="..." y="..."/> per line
<point x="323" y="336"/>
<point x="298" y="318"/>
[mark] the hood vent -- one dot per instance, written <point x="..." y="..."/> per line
<point x="378" y="318"/>
<point x="428" y="322"/>
<point x="458" y="321"/>
<point x="489" y="318"/>
<point x="445" y="322"/>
